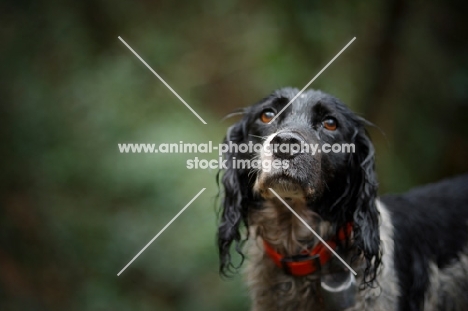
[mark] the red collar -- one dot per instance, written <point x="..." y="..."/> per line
<point x="308" y="262"/>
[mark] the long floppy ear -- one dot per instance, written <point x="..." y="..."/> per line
<point x="234" y="206"/>
<point x="366" y="215"/>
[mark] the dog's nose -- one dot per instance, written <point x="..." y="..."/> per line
<point x="286" y="145"/>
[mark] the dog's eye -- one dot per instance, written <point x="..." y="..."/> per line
<point x="330" y="124"/>
<point x="267" y="115"/>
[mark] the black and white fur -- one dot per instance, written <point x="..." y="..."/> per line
<point x="410" y="251"/>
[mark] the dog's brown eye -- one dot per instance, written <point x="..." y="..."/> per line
<point x="330" y="124"/>
<point x="267" y="115"/>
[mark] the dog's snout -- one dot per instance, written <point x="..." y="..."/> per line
<point x="286" y="145"/>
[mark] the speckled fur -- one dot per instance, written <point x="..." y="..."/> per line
<point x="272" y="289"/>
<point x="449" y="286"/>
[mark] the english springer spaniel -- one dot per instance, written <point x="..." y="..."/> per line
<point x="409" y="252"/>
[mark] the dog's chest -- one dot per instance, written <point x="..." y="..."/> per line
<point x="272" y="289"/>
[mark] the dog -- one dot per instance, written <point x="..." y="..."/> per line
<point x="409" y="252"/>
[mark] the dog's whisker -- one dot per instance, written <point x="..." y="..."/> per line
<point x="261" y="137"/>
<point x="233" y="114"/>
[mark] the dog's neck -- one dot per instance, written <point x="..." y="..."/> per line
<point x="278" y="226"/>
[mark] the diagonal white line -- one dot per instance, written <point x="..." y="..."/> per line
<point x="313" y="79"/>
<point x="162" y="80"/>
<point x="315" y="233"/>
<point x="162" y="230"/>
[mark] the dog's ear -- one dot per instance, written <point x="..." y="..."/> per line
<point x="236" y="193"/>
<point x="366" y="215"/>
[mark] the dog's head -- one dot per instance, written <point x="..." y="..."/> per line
<point x="316" y="149"/>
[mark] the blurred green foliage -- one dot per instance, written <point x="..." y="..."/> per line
<point x="74" y="211"/>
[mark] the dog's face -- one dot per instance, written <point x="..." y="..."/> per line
<point x="339" y="184"/>
<point x="300" y="141"/>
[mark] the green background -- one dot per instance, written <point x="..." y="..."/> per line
<point x="74" y="211"/>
